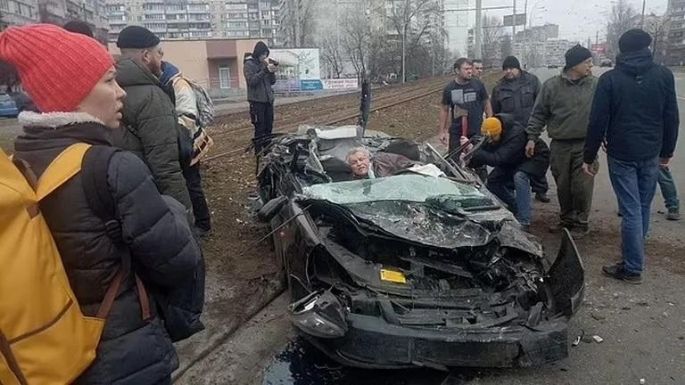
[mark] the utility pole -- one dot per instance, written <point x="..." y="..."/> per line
<point x="642" y="20"/>
<point x="404" y="53"/>
<point x="525" y="11"/>
<point x="478" y="47"/>
<point x="513" y="27"/>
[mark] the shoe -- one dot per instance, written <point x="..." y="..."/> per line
<point x="617" y="271"/>
<point x="578" y="232"/>
<point x="557" y="228"/>
<point x="673" y="215"/>
<point x="542" y="197"/>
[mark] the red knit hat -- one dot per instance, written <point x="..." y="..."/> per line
<point x="57" y="68"/>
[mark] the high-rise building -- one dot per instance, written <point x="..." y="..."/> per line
<point x="18" y="12"/>
<point x="93" y="12"/>
<point x="197" y="19"/>
<point x="675" y="42"/>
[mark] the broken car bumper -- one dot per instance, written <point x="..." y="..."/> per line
<point x="370" y="342"/>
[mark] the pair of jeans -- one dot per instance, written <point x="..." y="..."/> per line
<point x="634" y="184"/>
<point x="262" y="118"/>
<point x="668" y="189"/>
<point x="197" y="197"/>
<point x="513" y="188"/>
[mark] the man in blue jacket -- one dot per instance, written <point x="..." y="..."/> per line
<point x="636" y="111"/>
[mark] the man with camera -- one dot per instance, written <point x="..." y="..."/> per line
<point x="260" y="75"/>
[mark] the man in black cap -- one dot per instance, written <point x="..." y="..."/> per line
<point x="151" y="129"/>
<point x="563" y="106"/>
<point x="515" y="94"/>
<point x="78" y="26"/>
<point x="635" y="110"/>
<point x="260" y="75"/>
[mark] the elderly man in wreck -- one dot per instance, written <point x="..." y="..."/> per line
<point x="366" y="166"/>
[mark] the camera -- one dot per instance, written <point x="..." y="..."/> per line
<point x="272" y="61"/>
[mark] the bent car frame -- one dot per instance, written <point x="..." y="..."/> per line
<point x="424" y="267"/>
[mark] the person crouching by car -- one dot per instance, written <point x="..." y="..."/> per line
<point x="260" y="75"/>
<point x="382" y="164"/>
<point x="72" y="80"/>
<point x="510" y="178"/>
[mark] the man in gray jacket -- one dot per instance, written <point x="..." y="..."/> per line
<point x="563" y="106"/>
<point x="260" y="76"/>
<point x="150" y="124"/>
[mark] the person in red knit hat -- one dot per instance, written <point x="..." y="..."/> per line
<point x="71" y="79"/>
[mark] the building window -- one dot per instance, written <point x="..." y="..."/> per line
<point x="224" y="77"/>
<point x="5" y="4"/>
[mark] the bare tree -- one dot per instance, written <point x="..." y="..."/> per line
<point x="657" y="27"/>
<point x="493" y="30"/>
<point x="622" y="18"/>
<point x="412" y="17"/>
<point x="297" y="25"/>
<point x="331" y="54"/>
<point x="357" y="30"/>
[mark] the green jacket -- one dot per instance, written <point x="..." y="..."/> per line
<point x="150" y="128"/>
<point x="564" y="107"/>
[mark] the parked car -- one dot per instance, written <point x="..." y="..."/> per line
<point x="422" y="268"/>
<point x="8" y="107"/>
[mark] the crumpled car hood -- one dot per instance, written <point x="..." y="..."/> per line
<point x="422" y="224"/>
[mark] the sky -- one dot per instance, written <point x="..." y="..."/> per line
<point x="577" y="19"/>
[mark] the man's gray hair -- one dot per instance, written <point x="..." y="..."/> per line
<point x="357" y="150"/>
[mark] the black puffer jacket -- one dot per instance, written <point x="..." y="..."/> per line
<point x="156" y="235"/>
<point x="509" y="151"/>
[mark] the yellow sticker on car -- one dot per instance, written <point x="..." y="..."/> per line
<point x="393" y="276"/>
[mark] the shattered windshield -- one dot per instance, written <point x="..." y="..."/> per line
<point x="407" y="188"/>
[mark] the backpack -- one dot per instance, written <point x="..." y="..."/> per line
<point x="44" y="336"/>
<point x="205" y="105"/>
<point x="195" y="144"/>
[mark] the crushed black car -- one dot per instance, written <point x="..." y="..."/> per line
<point x="421" y="268"/>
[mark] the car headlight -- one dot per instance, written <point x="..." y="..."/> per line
<point x="320" y="315"/>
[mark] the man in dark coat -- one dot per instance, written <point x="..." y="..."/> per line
<point x="150" y="124"/>
<point x="71" y="78"/>
<point x="260" y="75"/>
<point x="515" y="94"/>
<point x="635" y="110"/>
<point x="510" y="178"/>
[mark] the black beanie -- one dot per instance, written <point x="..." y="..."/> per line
<point x="511" y="62"/>
<point x="260" y="49"/>
<point x="576" y="55"/>
<point x="634" y="40"/>
<point x="78" y="26"/>
<point x="135" y="36"/>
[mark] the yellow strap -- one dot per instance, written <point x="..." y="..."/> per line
<point x="64" y="167"/>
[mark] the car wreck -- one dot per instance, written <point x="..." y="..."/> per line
<point x="424" y="267"/>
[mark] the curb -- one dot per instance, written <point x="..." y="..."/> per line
<point x="274" y="288"/>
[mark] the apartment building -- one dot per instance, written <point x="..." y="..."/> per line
<point x="675" y="42"/>
<point x="18" y="12"/>
<point x="197" y="19"/>
<point x="93" y="12"/>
